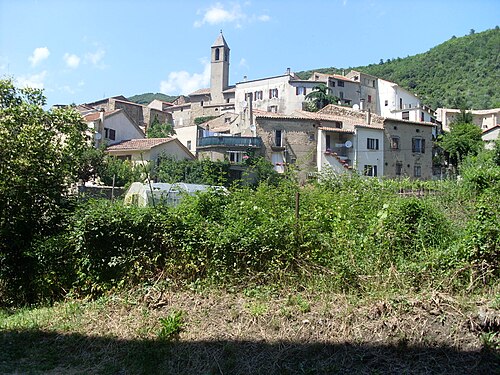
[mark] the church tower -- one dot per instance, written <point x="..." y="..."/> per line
<point x="219" y="77"/>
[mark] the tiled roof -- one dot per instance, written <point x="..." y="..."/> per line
<point x="492" y="128"/>
<point x="139" y="144"/>
<point x="95" y="115"/>
<point x="336" y="130"/>
<point x="201" y="92"/>
<point x="336" y="76"/>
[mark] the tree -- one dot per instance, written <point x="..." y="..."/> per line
<point x="40" y="152"/>
<point x="159" y="130"/>
<point x="464" y="138"/>
<point x="321" y="96"/>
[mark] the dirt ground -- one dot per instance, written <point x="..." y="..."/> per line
<point x="263" y="332"/>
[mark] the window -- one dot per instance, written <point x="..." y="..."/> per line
<point x="369" y="98"/>
<point x="373" y="83"/>
<point x="418" y="145"/>
<point x="277" y="138"/>
<point x="399" y="168"/>
<point x="370" y="170"/>
<point x="109" y="134"/>
<point x="394" y="143"/>
<point x="422" y="116"/>
<point x="341" y="95"/>
<point x="340" y="83"/>
<point x="201" y="103"/>
<point x="331" y="82"/>
<point x="273" y="93"/>
<point x="328" y="141"/>
<point x="249" y="96"/>
<point x="273" y="109"/>
<point x="236" y="156"/>
<point x="406" y="115"/>
<point x="386" y="103"/>
<point x="217" y="54"/>
<point x="188" y="145"/>
<point x="372" y="144"/>
<point x="400" y="103"/>
<point x="227" y="120"/>
<point x="311" y="137"/>
<point x="258" y="95"/>
<point x="124" y="157"/>
<point x="300" y="90"/>
<point x="417" y="171"/>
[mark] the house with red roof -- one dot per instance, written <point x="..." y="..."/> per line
<point x="149" y="150"/>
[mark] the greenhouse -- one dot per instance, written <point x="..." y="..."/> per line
<point x="144" y="194"/>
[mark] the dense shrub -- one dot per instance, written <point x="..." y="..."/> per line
<point x="359" y="232"/>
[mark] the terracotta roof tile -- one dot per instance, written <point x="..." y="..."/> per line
<point x="95" y="115"/>
<point x="201" y="92"/>
<point x="139" y="144"/>
<point x="336" y="130"/>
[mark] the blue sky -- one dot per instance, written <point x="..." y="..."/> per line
<point x="81" y="51"/>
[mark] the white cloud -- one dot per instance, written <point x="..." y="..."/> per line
<point x="95" y="58"/>
<point x="72" y="61"/>
<point x="39" y="54"/>
<point x="243" y="63"/>
<point x="183" y="82"/>
<point x="35" y="81"/>
<point x="219" y="14"/>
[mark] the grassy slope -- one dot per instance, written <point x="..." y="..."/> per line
<point x="459" y="71"/>
<point x="257" y="330"/>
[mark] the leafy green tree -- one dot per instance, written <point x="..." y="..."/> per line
<point x="159" y="130"/>
<point x="202" y="171"/>
<point x="40" y="153"/>
<point x="123" y="172"/>
<point x="462" y="140"/>
<point x="321" y="96"/>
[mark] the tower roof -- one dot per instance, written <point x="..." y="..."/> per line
<point x="220" y="41"/>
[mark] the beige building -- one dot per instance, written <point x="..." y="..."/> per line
<point x="343" y="140"/>
<point x="408" y="149"/>
<point x="141" y="115"/>
<point x="484" y="118"/>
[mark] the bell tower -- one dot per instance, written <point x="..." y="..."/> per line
<point x="219" y="75"/>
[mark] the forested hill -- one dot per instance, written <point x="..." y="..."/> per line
<point x="149" y="97"/>
<point x="461" y="71"/>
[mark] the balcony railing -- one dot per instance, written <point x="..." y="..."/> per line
<point x="340" y="151"/>
<point x="230" y="141"/>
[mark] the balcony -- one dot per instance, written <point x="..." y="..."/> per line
<point x="224" y="141"/>
<point x="337" y="151"/>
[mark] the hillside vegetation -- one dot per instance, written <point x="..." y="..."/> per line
<point x="459" y="72"/>
<point x="149" y="97"/>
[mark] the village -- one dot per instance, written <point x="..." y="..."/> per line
<point x="374" y="128"/>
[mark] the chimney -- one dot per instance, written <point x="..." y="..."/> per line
<point x="368" y="117"/>
<point x="288" y="71"/>
<point x="244" y="78"/>
<point x="362" y="104"/>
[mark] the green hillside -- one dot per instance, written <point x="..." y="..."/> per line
<point x="460" y="71"/>
<point x="149" y="97"/>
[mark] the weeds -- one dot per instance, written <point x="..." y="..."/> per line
<point x="171" y="325"/>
